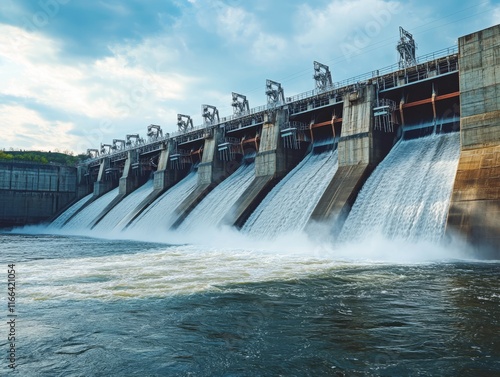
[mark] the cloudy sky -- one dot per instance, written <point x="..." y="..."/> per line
<point x="75" y="73"/>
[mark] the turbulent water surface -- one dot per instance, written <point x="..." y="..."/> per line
<point x="94" y="307"/>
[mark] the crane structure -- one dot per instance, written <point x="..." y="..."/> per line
<point x="138" y="140"/>
<point x="106" y="148"/>
<point x="407" y="49"/>
<point x="240" y="104"/>
<point x="210" y="114"/>
<point x="154" y="132"/>
<point x="118" y="144"/>
<point x="322" y="76"/>
<point x="184" y="122"/>
<point x="93" y="153"/>
<point x="274" y="92"/>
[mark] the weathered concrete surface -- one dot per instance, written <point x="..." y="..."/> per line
<point x="102" y="186"/>
<point x="211" y="171"/>
<point x="163" y="179"/>
<point x="272" y="163"/>
<point x="475" y="208"/>
<point x="360" y="149"/>
<point x="31" y="193"/>
<point x="475" y="204"/>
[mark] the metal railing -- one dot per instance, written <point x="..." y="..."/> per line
<point x="355" y="80"/>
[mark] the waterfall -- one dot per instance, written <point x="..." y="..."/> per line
<point x="87" y="215"/>
<point x="63" y="217"/>
<point x="212" y="209"/>
<point x="408" y="194"/>
<point x="290" y="203"/>
<point x="122" y="209"/>
<point x="160" y="215"/>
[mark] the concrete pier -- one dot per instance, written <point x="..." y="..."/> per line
<point x="360" y="149"/>
<point x="163" y="179"/>
<point x="272" y="163"/>
<point x="102" y="185"/>
<point x="475" y="205"/>
<point x="211" y="171"/>
<point x="31" y="193"/>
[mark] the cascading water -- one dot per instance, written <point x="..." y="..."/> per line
<point x="211" y="210"/>
<point x="83" y="219"/>
<point x="408" y="194"/>
<point x="289" y="205"/>
<point x="160" y="215"/>
<point x="63" y="217"/>
<point x="122" y="209"/>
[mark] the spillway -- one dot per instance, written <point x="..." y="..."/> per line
<point x="124" y="207"/>
<point x="160" y="215"/>
<point x="63" y="217"/>
<point x="408" y="194"/>
<point x="87" y="215"/>
<point x="211" y="210"/>
<point x="290" y="203"/>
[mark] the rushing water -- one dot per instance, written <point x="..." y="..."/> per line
<point x="212" y="209"/>
<point x="408" y="194"/>
<point x="226" y="303"/>
<point x="126" y="205"/>
<point x="93" y="307"/>
<point x="160" y="215"/>
<point x="289" y="205"/>
<point x="66" y="215"/>
<point x="83" y="219"/>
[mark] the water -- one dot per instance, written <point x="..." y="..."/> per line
<point x="83" y="219"/>
<point x="227" y="303"/>
<point x="93" y="307"/>
<point x="212" y="209"/>
<point x="122" y="209"/>
<point x="288" y="207"/>
<point x="63" y="217"/>
<point x="408" y="194"/>
<point x="160" y="215"/>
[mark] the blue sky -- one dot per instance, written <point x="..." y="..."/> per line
<point x="76" y="73"/>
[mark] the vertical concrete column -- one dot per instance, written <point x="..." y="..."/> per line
<point x="273" y="159"/>
<point x="355" y="145"/>
<point x="360" y="149"/>
<point x="83" y="187"/>
<point x="129" y="182"/>
<point x="101" y="186"/>
<point x="161" y="176"/>
<point x="211" y="169"/>
<point x="475" y="203"/>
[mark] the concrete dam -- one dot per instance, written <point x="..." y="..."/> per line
<point x="410" y="151"/>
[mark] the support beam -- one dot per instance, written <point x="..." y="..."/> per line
<point x="475" y="204"/>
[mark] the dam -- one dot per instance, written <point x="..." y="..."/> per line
<point x="427" y="126"/>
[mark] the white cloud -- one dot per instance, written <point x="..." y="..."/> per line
<point x="25" y="129"/>
<point x="133" y="82"/>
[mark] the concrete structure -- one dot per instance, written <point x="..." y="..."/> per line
<point x="272" y="163"/>
<point x="365" y="115"/>
<point x="31" y="193"/>
<point x="475" y="206"/>
<point x="360" y="149"/>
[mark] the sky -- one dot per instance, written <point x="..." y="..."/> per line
<point x="77" y="73"/>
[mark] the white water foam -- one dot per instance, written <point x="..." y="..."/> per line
<point x="212" y="209"/>
<point x="160" y="215"/>
<point x="408" y="194"/>
<point x="83" y="219"/>
<point x="288" y="207"/>
<point x="63" y="217"/>
<point x="122" y="209"/>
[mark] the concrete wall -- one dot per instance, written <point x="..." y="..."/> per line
<point x="31" y="193"/>
<point x="475" y="204"/>
<point x="360" y="149"/>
